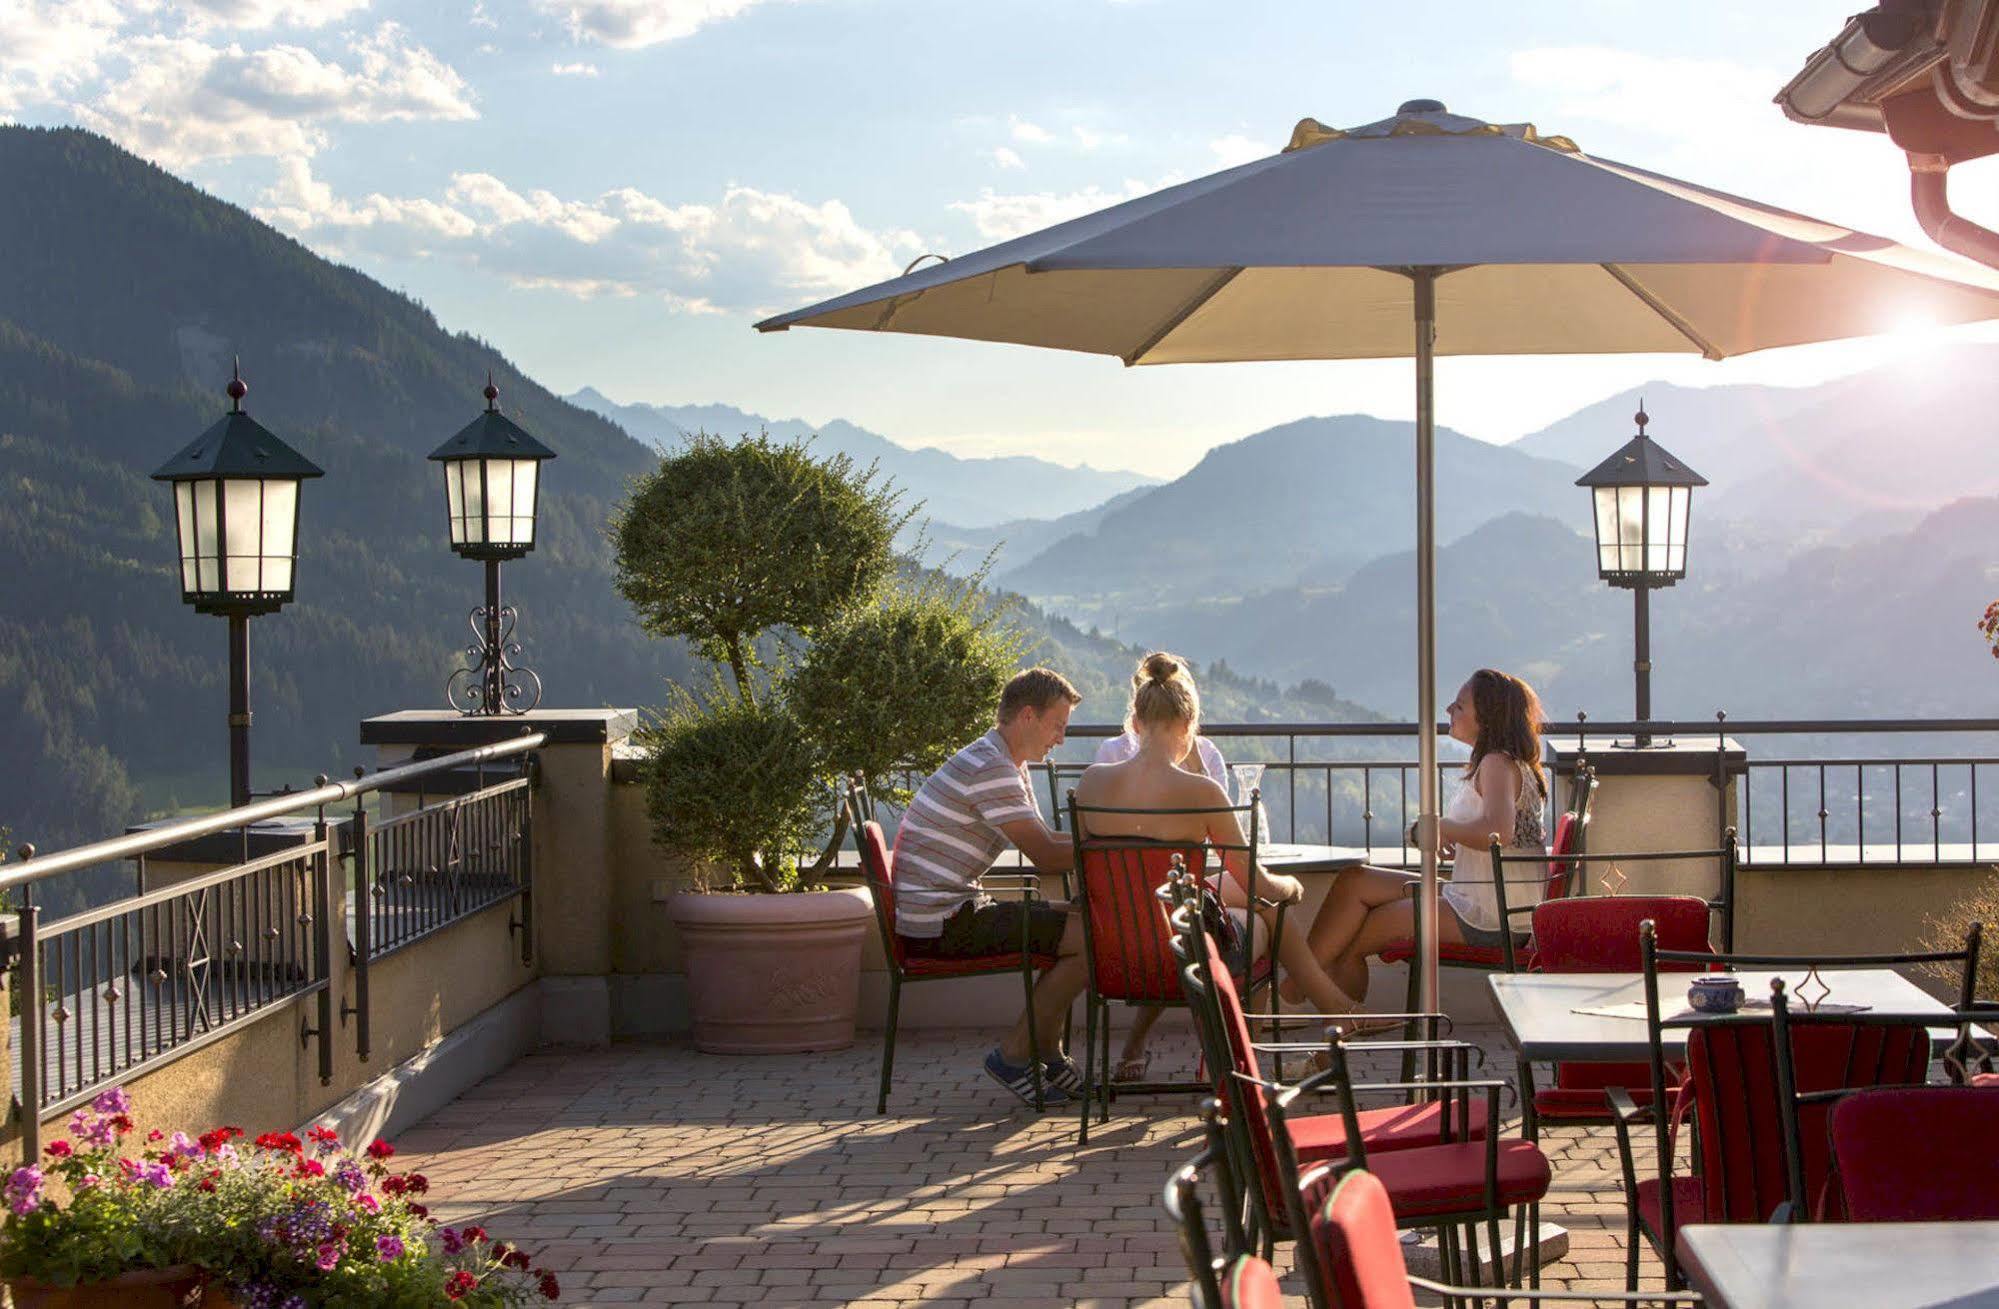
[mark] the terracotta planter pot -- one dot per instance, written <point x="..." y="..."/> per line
<point x="773" y="974"/>
<point x="144" y="1288"/>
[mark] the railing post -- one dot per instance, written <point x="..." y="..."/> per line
<point x="329" y="905"/>
<point x="526" y="855"/>
<point x="364" y="928"/>
<point x="29" y="1002"/>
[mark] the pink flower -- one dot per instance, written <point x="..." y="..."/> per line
<point x="389" y="1247"/>
<point x="369" y="1203"/>
<point x="24" y="1190"/>
<point x="329" y="1256"/>
<point x="113" y="1101"/>
<point x="89" y="1181"/>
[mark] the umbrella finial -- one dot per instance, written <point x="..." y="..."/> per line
<point x="237" y="388"/>
<point x="1422" y="107"/>
<point x="492" y="394"/>
<point x="1641" y="417"/>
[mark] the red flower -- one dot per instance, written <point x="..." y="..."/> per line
<point x="380" y="1149"/>
<point x="473" y="1235"/>
<point x="516" y="1259"/>
<point x="323" y="1135"/>
<point x="208" y="1182"/>
<point x="550" y="1288"/>
<point x="458" y="1284"/>
<point x="393" y="1185"/>
<point x="281" y="1142"/>
<point x="310" y="1168"/>
<point x="417" y="1183"/>
<point x="59" y="1149"/>
<point x="419" y="1210"/>
<point x="122" y="1123"/>
<point x="156" y="1135"/>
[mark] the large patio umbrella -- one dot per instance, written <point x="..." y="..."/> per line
<point x="1422" y="234"/>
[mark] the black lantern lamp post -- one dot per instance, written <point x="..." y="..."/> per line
<point x="236" y="492"/>
<point x="491" y="486"/>
<point x="1642" y="497"/>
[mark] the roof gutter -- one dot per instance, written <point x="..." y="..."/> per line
<point x="1929" y="191"/>
<point x="1877" y="50"/>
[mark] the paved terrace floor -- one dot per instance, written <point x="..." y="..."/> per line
<point x="649" y="1173"/>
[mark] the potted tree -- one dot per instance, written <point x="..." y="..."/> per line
<point x="829" y="656"/>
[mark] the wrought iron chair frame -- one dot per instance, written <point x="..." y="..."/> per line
<point x="1183" y="1205"/>
<point x="860" y="808"/>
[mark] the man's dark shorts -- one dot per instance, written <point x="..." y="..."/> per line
<point x="995" y="929"/>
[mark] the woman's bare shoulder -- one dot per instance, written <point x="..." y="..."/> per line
<point x="1500" y="771"/>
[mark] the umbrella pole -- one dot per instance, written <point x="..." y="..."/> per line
<point x="1425" y="280"/>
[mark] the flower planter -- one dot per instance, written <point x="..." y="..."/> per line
<point x="144" y="1288"/>
<point x="773" y="974"/>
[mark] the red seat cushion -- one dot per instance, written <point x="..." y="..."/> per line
<point x="1450" y="1179"/>
<point x="1577" y="1095"/>
<point x="1250" y="1283"/>
<point x="1687" y="1204"/>
<point x="1465" y="956"/>
<point x="1321" y="1138"/>
<point x="922" y="966"/>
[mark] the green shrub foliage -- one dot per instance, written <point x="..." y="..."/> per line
<point x="780" y="567"/>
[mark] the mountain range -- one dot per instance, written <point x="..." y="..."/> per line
<point x="965" y="493"/>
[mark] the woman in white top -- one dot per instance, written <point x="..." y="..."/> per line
<point x="1504" y="791"/>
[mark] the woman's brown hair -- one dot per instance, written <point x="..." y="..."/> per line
<point x="1162" y="691"/>
<point x="1509" y="722"/>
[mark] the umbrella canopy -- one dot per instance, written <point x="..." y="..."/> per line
<point x="1424" y="233"/>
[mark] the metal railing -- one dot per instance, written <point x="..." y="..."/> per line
<point x="136" y="984"/>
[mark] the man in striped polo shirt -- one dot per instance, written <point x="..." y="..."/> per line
<point x="959" y="822"/>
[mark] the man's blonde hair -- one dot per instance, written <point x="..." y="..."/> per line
<point x="1037" y="689"/>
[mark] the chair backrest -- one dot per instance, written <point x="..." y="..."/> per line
<point x="1359" y="1250"/>
<point x="1918" y="1154"/>
<point x="1732" y="1072"/>
<point x="1599" y="934"/>
<point x="1127" y="940"/>
<point x="1571" y="834"/>
<point x="1722" y="905"/>
<point x="1120" y="877"/>
<point x="878" y="865"/>
<point x="1250" y="1283"/>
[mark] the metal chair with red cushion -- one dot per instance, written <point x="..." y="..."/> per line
<point x="878" y="865"/>
<point x="1231" y="1056"/>
<point x="1235" y="1279"/>
<point x="1599" y="934"/>
<point x="1127" y="941"/>
<point x="1740" y="1106"/>
<point x="1918" y="1154"/>
<point x="1354" y="1235"/>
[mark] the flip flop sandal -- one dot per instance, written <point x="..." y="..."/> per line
<point x="1132" y="1069"/>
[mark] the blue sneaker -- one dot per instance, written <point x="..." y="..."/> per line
<point x="1062" y="1074"/>
<point x="1019" y="1079"/>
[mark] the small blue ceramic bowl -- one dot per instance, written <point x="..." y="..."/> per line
<point x="1719" y="994"/>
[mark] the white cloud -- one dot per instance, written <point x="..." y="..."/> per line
<point x="250" y="15"/>
<point x="1007" y="157"/>
<point x="1029" y="134"/>
<point x="750" y="250"/>
<point x="48" y="48"/>
<point x="183" y="101"/>
<point x="634" y="24"/>
<point x="1002" y="217"/>
<point x="1091" y="140"/>
<point x="1236" y="148"/>
<point x="574" y="70"/>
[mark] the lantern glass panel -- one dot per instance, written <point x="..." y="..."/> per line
<point x="280" y="543"/>
<point x="518" y="527"/>
<point x="207" y="551"/>
<point x="473" y="471"/>
<point x="242" y="534"/>
<point x="499" y="500"/>
<point x="454" y="498"/>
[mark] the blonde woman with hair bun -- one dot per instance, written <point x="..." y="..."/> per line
<point x="1164" y="723"/>
<point x="1202" y="756"/>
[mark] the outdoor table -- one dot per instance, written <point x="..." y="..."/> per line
<point x="1538" y="1009"/>
<point x="1880" y="1265"/>
<point x="1299" y="860"/>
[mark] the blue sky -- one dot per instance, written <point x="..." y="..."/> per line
<point x="612" y="190"/>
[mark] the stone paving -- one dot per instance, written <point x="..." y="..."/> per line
<point x="650" y="1173"/>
